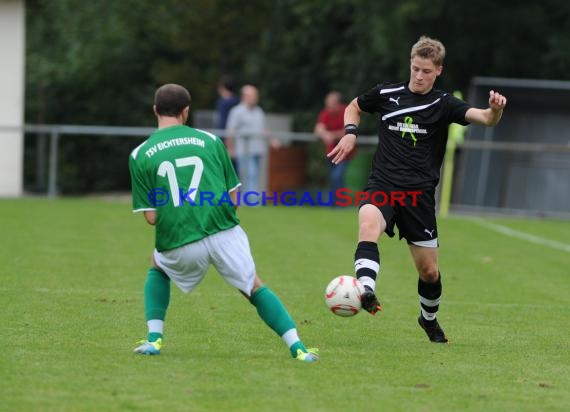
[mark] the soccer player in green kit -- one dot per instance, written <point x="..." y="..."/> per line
<point x="168" y="171"/>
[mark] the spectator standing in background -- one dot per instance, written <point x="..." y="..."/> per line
<point x="247" y="137"/>
<point x="330" y="129"/>
<point x="227" y="101"/>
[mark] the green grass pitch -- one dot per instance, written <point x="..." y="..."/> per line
<point x="72" y="309"/>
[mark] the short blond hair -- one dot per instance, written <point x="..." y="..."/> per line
<point x="428" y="48"/>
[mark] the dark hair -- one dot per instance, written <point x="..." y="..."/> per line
<point x="227" y="82"/>
<point x="171" y="99"/>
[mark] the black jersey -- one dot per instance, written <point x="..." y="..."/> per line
<point x="412" y="133"/>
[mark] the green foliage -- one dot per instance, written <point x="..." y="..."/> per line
<point x="99" y="62"/>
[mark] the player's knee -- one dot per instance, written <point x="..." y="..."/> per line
<point x="257" y="283"/>
<point x="369" y="231"/>
<point x="370" y="223"/>
<point x="257" y="287"/>
<point x="429" y="273"/>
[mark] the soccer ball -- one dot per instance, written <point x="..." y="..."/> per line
<point x="343" y="296"/>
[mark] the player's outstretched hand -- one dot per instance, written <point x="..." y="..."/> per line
<point x="342" y="149"/>
<point x="497" y="101"/>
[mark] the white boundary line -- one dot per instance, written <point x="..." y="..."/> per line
<point x="504" y="230"/>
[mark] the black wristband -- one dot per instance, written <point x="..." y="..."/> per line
<point x="351" y="129"/>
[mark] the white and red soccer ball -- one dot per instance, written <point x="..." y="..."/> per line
<point x="343" y="296"/>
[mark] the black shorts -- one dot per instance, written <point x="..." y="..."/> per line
<point x="412" y="211"/>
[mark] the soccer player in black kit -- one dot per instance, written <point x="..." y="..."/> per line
<point x="413" y="118"/>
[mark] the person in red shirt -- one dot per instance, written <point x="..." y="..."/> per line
<point x="330" y="129"/>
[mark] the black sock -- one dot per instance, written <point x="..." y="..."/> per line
<point x="430" y="294"/>
<point x="367" y="263"/>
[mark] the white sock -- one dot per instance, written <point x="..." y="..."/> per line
<point x="290" y="337"/>
<point x="368" y="281"/>
<point x="155" y="326"/>
<point x="427" y="315"/>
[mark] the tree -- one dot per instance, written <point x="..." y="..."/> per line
<point x="99" y="62"/>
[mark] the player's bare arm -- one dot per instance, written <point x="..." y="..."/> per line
<point x="346" y="144"/>
<point x="150" y="216"/>
<point x="490" y="116"/>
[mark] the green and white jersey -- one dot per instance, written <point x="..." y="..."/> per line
<point x="185" y="175"/>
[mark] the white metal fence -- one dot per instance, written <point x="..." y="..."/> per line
<point x="56" y="132"/>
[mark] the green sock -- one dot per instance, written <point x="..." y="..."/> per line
<point x="295" y="346"/>
<point x="272" y="311"/>
<point x="156" y="299"/>
<point x="153" y="336"/>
